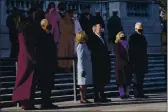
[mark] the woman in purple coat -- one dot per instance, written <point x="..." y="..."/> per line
<point x="122" y="67"/>
<point x="22" y="92"/>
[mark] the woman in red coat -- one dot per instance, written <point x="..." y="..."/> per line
<point x="23" y="86"/>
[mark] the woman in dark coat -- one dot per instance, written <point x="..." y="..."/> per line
<point x="26" y="60"/>
<point x="122" y="68"/>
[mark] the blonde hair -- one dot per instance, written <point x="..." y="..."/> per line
<point x="80" y="36"/>
<point x="119" y="35"/>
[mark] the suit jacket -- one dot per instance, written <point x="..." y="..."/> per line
<point x="138" y="52"/>
<point x="100" y="60"/>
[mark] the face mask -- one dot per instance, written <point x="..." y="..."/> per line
<point x="75" y="15"/>
<point x="122" y="38"/>
<point x="140" y="30"/>
<point x="49" y="27"/>
<point x="97" y="14"/>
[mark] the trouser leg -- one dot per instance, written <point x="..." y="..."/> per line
<point x="96" y="91"/>
<point x="102" y="94"/>
<point x="138" y="84"/>
<point x="46" y="88"/>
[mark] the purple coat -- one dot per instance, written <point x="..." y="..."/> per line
<point x="24" y="75"/>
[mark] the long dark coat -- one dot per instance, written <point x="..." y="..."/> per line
<point x="122" y="65"/>
<point x="26" y="62"/>
<point x="13" y="36"/>
<point x="46" y="56"/>
<point x="114" y="26"/>
<point x="86" y="23"/>
<point x="138" y="53"/>
<point x="100" y="60"/>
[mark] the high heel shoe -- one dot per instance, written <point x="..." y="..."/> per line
<point x="85" y="101"/>
<point x="28" y="107"/>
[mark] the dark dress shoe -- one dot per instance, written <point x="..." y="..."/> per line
<point x="97" y="100"/>
<point x="49" y="106"/>
<point x="105" y="100"/>
<point x="128" y="97"/>
<point x="141" y="96"/>
<point x="85" y="101"/>
<point x="125" y="97"/>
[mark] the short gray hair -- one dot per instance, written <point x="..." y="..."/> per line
<point x="43" y="21"/>
<point x="137" y="23"/>
<point x="93" y="28"/>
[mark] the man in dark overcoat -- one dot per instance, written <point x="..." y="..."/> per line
<point x="45" y="64"/>
<point x="86" y="21"/>
<point x="114" y="26"/>
<point x="138" y="58"/>
<point x="13" y="33"/>
<point x="101" y="64"/>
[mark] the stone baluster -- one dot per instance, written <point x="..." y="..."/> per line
<point x="19" y="5"/>
<point x="14" y="3"/>
<point x="3" y="12"/>
<point x="25" y="6"/>
<point x="79" y="9"/>
<point x="10" y="6"/>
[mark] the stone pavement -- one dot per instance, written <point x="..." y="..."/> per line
<point x="156" y="102"/>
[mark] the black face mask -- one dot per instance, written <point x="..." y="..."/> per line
<point x="140" y="30"/>
<point x="122" y="38"/>
<point x="49" y="27"/>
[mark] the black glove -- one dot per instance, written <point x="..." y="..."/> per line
<point x="83" y="74"/>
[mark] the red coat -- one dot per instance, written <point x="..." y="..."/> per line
<point x="24" y="76"/>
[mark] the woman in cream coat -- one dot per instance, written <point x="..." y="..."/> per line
<point x="84" y="65"/>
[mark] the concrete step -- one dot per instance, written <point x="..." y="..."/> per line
<point x="69" y="79"/>
<point x="63" y="87"/>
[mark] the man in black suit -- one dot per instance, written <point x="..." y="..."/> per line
<point x="138" y="59"/>
<point x="12" y="25"/>
<point x="99" y="19"/>
<point x="86" y="21"/>
<point x="114" y="26"/>
<point x="45" y="64"/>
<point x="101" y="63"/>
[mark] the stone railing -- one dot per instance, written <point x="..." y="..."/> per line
<point x="25" y="5"/>
<point x="136" y="9"/>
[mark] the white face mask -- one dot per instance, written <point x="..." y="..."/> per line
<point x="75" y="15"/>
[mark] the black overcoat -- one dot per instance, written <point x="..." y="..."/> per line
<point x="138" y="53"/>
<point x="101" y="63"/>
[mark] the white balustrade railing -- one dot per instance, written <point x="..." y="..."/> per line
<point x="25" y="5"/>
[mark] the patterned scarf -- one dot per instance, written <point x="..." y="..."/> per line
<point x="124" y="43"/>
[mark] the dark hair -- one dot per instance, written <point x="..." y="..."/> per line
<point x="115" y="12"/>
<point x="50" y="6"/>
<point x="61" y="6"/>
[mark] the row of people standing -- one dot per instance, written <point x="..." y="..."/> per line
<point x="37" y="57"/>
<point x="64" y="26"/>
<point x="94" y="62"/>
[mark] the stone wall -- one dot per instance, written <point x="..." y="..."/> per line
<point x="151" y="23"/>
